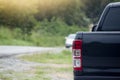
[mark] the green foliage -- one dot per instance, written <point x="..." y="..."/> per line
<point x="38" y="37"/>
<point x="15" y="37"/>
<point x="52" y="33"/>
<point x="47" y="40"/>
<point x="56" y="27"/>
<point x="68" y="11"/>
<point x="12" y="37"/>
<point x="75" y="16"/>
<point x="94" y="8"/>
<point x="14" y="15"/>
<point x="26" y="15"/>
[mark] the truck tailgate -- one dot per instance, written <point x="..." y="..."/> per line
<point x="101" y="52"/>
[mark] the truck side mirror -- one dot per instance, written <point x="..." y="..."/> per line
<point x="94" y="27"/>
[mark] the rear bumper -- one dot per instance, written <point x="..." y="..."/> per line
<point x="96" y="77"/>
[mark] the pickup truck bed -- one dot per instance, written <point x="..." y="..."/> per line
<point x="97" y="78"/>
<point x="101" y="49"/>
<point x="100" y="56"/>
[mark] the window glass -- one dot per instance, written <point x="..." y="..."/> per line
<point x="112" y="20"/>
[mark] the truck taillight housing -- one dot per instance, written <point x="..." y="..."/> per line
<point x="77" y="55"/>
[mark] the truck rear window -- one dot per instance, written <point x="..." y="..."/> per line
<point x="112" y="20"/>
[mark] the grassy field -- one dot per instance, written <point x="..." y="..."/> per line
<point x="55" y="66"/>
<point x="40" y="41"/>
<point x="51" y="66"/>
<point x="61" y="58"/>
<point x="41" y="37"/>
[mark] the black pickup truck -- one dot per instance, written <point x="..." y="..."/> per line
<point x="96" y="54"/>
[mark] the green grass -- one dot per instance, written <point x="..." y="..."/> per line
<point x="41" y="37"/>
<point x="3" y="77"/>
<point x="51" y="71"/>
<point x="48" y="41"/>
<point x="33" y="74"/>
<point x="41" y="41"/>
<point x="53" y="66"/>
<point x="15" y="42"/>
<point x="57" y="58"/>
<point x="15" y="37"/>
<point x="57" y="65"/>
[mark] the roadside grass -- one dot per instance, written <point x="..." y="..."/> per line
<point x="51" y="66"/>
<point x="15" y="42"/>
<point x="55" y="66"/>
<point x="32" y="74"/>
<point x="15" y="37"/>
<point x="57" y="58"/>
<point x="40" y="41"/>
<point x="42" y="37"/>
<point x="55" y="73"/>
<point x="26" y="75"/>
<point x="3" y="77"/>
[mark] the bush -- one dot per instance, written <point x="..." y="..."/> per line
<point x="55" y="27"/>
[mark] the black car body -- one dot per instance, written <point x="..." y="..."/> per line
<point x="96" y="55"/>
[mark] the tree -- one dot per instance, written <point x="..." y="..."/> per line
<point x="94" y="8"/>
<point x="12" y="16"/>
<point x="68" y="10"/>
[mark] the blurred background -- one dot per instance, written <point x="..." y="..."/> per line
<point x="46" y="22"/>
<point x="37" y="30"/>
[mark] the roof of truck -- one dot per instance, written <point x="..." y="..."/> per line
<point x="114" y="4"/>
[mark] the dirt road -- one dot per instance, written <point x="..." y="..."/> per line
<point x="17" y="50"/>
<point x="9" y="62"/>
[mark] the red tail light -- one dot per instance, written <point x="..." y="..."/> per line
<point x="77" y="56"/>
